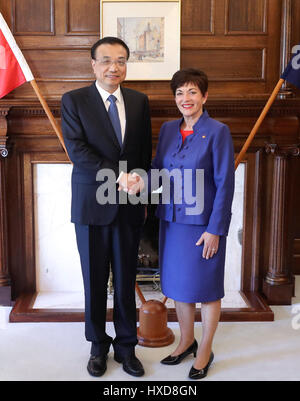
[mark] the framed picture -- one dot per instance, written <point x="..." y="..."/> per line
<point x="151" y="29"/>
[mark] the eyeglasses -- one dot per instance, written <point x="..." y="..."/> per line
<point x="107" y="62"/>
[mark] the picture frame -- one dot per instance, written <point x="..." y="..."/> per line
<point x="151" y="29"/>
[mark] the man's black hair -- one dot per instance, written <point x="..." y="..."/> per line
<point x="110" y="40"/>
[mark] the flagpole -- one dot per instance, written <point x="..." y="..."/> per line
<point x="49" y="114"/>
<point x="259" y="122"/>
<point x="140" y="294"/>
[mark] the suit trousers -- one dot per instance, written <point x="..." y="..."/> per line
<point x="101" y="247"/>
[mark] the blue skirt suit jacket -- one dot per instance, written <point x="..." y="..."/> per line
<point x="209" y="148"/>
<point x="185" y="275"/>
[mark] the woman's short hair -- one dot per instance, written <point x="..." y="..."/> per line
<point x="110" y="40"/>
<point x="189" y="75"/>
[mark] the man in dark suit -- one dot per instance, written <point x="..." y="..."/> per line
<point x="104" y="124"/>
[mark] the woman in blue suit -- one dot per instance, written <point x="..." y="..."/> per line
<point x="193" y="239"/>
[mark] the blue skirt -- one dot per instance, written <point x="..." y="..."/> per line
<point x="185" y="275"/>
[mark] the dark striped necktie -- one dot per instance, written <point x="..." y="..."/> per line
<point x="114" y="117"/>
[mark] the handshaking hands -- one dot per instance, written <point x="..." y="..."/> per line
<point x="131" y="183"/>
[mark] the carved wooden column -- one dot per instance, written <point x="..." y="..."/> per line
<point x="278" y="285"/>
<point x="5" y="288"/>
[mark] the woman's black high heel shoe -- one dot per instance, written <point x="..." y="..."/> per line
<point x="201" y="373"/>
<point x="175" y="360"/>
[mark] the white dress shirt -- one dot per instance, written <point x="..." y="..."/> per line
<point x="121" y="109"/>
<point x="119" y="103"/>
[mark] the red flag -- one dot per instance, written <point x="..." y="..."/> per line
<point x="14" y="70"/>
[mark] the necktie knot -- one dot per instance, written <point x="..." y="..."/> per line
<point x="112" y="99"/>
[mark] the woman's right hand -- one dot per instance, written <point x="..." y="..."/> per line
<point x="211" y="244"/>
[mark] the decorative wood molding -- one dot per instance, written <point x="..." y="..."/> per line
<point x="33" y="110"/>
<point x="3" y="131"/>
<point x="231" y="107"/>
<point x="5" y="282"/>
<point x="27" y="14"/>
<point x="166" y="106"/>
<point x="248" y="7"/>
<point x="278" y="285"/>
<point x="3" y="147"/>
<point x="285" y="47"/>
<point x="85" y="19"/>
<point x="189" y="15"/>
<point x="283" y="151"/>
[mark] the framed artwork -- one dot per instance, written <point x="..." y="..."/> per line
<point x="151" y="29"/>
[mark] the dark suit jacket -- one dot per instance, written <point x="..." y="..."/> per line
<point x="92" y="145"/>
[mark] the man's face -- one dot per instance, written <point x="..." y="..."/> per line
<point x="110" y="66"/>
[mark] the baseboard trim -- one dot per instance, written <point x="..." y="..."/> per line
<point x="257" y="310"/>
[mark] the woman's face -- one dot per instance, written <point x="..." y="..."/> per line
<point x="190" y="100"/>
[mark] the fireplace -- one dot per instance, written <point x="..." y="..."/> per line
<point x="57" y="263"/>
<point x="148" y="261"/>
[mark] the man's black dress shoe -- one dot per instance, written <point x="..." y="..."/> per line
<point x="131" y="365"/>
<point x="97" y="365"/>
<point x="201" y="373"/>
<point x="175" y="360"/>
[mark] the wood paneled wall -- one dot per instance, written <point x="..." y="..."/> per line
<point x="236" y="41"/>
<point x="238" y="48"/>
